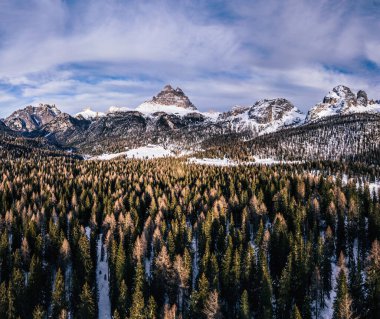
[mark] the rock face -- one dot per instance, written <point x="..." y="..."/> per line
<point x="32" y="117"/>
<point x="341" y="100"/>
<point x="170" y="96"/>
<point x="170" y="118"/>
<point x="362" y="98"/>
<point x="264" y="116"/>
<point x="266" y="111"/>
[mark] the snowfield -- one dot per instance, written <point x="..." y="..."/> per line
<point x="144" y="152"/>
<point x="228" y="162"/>
<point x="89" y="114"/>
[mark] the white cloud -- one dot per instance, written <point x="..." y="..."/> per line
<point x="102" y="53"/>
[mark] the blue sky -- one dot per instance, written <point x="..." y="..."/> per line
<point x="100" y="53"/>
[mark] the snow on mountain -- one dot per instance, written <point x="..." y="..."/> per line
<point x="152" y="107"/>
<point x="169" y="100"/>
<point x="32" y="117"/>
<point x="89" y="114"/>
<point x="264" y="116"/>
<point x="341" y="100"/>
<point x="116" y="109"/>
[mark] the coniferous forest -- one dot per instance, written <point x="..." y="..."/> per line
<point x="167" y="239"/>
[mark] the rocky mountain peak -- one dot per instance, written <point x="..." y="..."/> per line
<point x="341" y="100"/>
<point x="362" y="98"/>
<point x="338" y="93"/>
<point x="176" y="97"/>
<point x="32" y="117"/>
<point x="265" y="111"/>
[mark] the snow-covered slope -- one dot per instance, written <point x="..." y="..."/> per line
<point x="341" y="100"/>
<point x="116" y="109"/>
<point x="169" y="100"/>
<point x="152" y="107"/>
<point x="144" y="152"/>
<point x="89" y="114"/>
<point x="264" y="116"/>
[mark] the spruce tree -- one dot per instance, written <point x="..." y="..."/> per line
<point x="244" y="306"/>
<point x="87" y="304"/>
<point x="138" y="303"/>
<point x="58" y="296"/>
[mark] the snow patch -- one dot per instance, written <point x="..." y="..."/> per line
<point x="89" y="114"/>
<point x="228" y="162"/>
<point x="144" y="152"/>
<point x="115" y="109"/>
<point x="151" y="107"/>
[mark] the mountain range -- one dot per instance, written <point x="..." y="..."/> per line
<point x="172" y="120"/>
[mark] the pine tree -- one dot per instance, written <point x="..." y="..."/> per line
<point x="58" y="296"/>
<point x="244" y="306"/>
<point x="372" y="283"/>
<point x="3" y="300"/>
<point x="151" y="308"/>
<point x="87" y="304"/>
<point x="199" y="297"/>
<point x="342" y="302"/>
<point x="138" y="303"/>
<point x="211" y="308"/>
<point x="122" y="300"/>
<point x="38" y="313"/>
<point x="296" y="313"/>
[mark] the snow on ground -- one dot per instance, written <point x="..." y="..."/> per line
<point x="143" y="152"/>
<point x="88" y="232"/>
<point x="228" y="162"/>
<point x="102" y="280"/>
<point x="327" y="312"/>
<point x="213" y="161"/>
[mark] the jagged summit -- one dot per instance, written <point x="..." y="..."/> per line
<point x="32" y="117"/>
<point x="172" y="97"/>
<point x="341" y="100"/>
<point x="264" y="116"/>
<point x="266" y="111"/>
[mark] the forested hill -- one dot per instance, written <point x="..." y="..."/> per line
<point x="167" y="239"/>
<point x="354" y="137"/>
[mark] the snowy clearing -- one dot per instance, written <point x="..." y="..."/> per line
<point x="144" y="152"/>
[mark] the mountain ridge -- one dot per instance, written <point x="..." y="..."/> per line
<point x="170" y="118"/>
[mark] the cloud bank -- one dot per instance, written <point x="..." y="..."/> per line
<point x="100" y="53"/>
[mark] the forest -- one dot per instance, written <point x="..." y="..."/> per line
<point x="167" y="239"/>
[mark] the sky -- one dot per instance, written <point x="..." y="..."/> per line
<point x="102" y="53"/>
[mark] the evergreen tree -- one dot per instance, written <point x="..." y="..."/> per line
<point x="58" y="296"/>
<point x="244" y="306"/>
<point x="138" y="303"/>
<point x="296" y="313"/>
<point x="342" y="302"/>
<point x="372" y="283"/>
<point x="87" y="304"/>
<point x="38" y="313"/>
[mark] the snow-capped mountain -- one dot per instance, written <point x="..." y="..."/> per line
<point x="32" y="117"/>
<point x="170" y="118"/>
<point x="89" y="114"/>
<point x="169" y="100"/>
<point x="264" y="116"/>
<point x="341" y="100"/>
